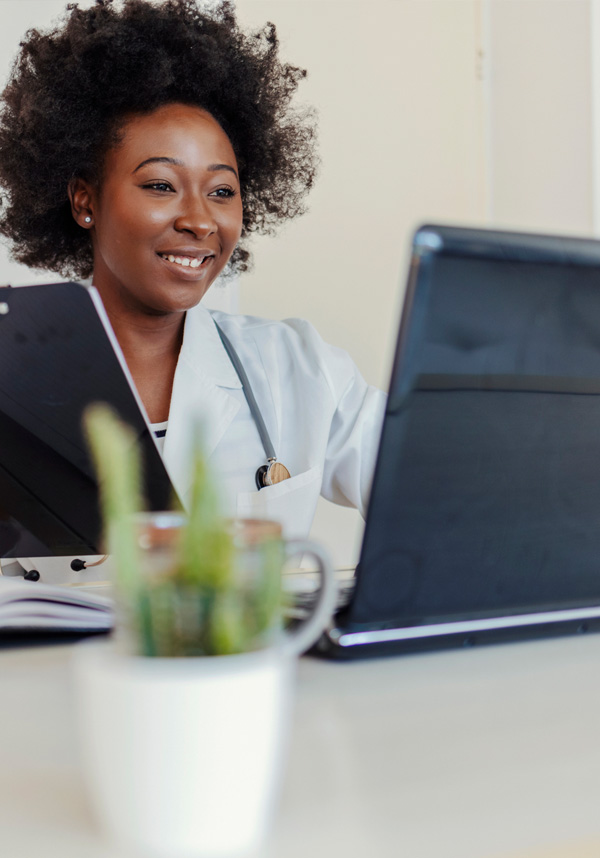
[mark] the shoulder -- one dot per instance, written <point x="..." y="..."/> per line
<point x="293" y="343"/>
<point x="286" y="335"/>
<point x="252" y="326"/>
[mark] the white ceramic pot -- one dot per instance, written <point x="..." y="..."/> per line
<point x="184" y="756"/>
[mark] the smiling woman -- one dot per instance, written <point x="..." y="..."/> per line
<point x="142" y="143"/>
<point x="164" y="222"/>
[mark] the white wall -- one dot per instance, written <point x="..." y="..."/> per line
<point x="17" y="16"/>
<point x="474" y="112"/>
<point x="400" y="140"/>
<point x="541" y="117"/>
<point x="400" y="105"/>
<point x="401" y="131"/>
<point x="464" y="111"/>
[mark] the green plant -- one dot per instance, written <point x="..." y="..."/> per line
<point x="211" y="597"/>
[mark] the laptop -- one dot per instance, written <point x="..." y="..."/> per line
<point x="484" y="516"/>
<point x="48" y="487"/>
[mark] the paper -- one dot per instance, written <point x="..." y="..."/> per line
<point x="32" y="605"/>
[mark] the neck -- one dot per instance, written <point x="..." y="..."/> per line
<point x="150" y="345"/>
<point x="148" y="340"/>
<point x="140" y="332"/>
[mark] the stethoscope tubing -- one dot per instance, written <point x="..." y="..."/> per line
<point x="252" y="405"/>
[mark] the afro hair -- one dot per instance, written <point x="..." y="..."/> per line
<point x="72" y="87"/>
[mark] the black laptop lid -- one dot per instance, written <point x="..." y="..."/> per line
<point x="57" y="355"/>
<point x="486" y="498"/>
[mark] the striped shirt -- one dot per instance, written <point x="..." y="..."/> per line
<point x="160" y="430"/>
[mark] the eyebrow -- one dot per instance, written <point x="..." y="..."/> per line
<point x="213" y="168"/>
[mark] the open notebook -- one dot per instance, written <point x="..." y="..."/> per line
<point x="34" y="607"/>
<point x="29" y="606"/>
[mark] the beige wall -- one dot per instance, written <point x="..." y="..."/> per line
<point x="401" y="128"/>
<point x="540" y="107"/>
<point x="16" y="16"/>
<point x="468" y="111"/>
<point x="471" y="112"/>
<point x="400" y="141"/>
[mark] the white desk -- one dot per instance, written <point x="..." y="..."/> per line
<point x="483" y="753"/>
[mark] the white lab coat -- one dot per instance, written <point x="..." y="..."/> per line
<point x="323" y="419"/>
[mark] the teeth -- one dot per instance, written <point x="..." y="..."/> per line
<point x="185" y="261"/>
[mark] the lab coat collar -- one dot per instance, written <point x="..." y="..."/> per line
<point x="199" y="401"/>
<point x="203" y="349"/>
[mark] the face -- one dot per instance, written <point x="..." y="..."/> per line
<point x="167" y="215"/>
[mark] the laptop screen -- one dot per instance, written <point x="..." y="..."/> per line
<point x="486" y="499"/>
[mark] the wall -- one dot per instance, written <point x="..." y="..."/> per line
<point x="400" y="130"/>
<point x="540" y="110"/>
<point x="17" y="16"/>
<point x="465" y="111"/>
<point x="401" y="138"/>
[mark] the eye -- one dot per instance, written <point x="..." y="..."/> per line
<point x="161" y="187"/>
<point x="223" y="192"/>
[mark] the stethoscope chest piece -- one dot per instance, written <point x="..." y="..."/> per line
<point x="269" y="475"/>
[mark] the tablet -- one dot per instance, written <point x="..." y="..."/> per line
<point x="59" y="354"/>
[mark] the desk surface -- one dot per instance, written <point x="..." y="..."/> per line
<point x="481" y="753"/>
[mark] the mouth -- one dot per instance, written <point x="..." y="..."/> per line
<point x="187" y="262"/>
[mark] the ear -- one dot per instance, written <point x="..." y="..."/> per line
<point x="81" y="196"/>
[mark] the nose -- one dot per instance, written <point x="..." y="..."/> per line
<point x="196" y="217"/>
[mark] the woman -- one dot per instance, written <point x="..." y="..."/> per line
<point x="141" y="144"/>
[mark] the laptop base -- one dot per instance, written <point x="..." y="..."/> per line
<point x="329" y="645"/>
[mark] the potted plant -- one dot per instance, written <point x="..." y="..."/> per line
<point x="184" y="716"/>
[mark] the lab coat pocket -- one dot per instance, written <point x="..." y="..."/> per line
<point x="292" y="502"/>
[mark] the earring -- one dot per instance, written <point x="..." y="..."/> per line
<point x="87" y="219"/>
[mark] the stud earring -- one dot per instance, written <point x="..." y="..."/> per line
<point x="87" y="219"/>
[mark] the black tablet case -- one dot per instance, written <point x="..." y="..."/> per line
<point x="58" y="354"/>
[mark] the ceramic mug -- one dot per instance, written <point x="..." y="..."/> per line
<point x="179" y="621"/>
<point x="183" y="756"/>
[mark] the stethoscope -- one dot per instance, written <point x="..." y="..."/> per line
<point x="273" y="472"/>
